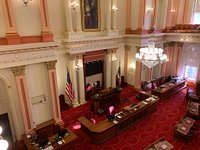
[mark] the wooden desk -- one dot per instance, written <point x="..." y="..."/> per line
<point x="68" y="144"/>
<point x="105" y="97"/>
<point x="168" y="89"/>
<point x="192" y="96"/>
<point x="183" y="127"/>
<point x="160" y="144"/>
<point x="193" y="109"/>
<point x="105" y="130"/>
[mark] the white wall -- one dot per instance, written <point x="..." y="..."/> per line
<point x="122" y="11"/>
<point x="148" y="15"/>
<point x="2" y="25"/>
<point x="27" y="18"/>
<point x="61" y="70"/>
<point x="134" y="14"/>
<point x="57" y="17"/>
<point x="37" y="82"/>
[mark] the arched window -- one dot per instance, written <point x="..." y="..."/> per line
<point x="192" y="62"/>
<point x="196" y="12"/>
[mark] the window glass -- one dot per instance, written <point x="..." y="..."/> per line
<point x="191" y="72"/>
<point x="196" y="18"/>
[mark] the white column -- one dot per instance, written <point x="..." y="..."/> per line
<point x="113" y="69"/>
<point x="108" y="15"/>
<point x="114" y="15"/>
<point x="68" y="15"/>
<point x="78" y="17"/>
<point x="108" y="69"/>
<point x="81" y="80"/>
<point x="73" y="75"/>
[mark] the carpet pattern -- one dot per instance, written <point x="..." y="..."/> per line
<point x="159" y="124"/>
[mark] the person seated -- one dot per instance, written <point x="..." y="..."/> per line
<point x="111" y="115"/>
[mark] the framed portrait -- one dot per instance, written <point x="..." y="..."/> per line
<point x="90" y="15"/>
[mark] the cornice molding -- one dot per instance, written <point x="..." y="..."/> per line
<point x="24" y="54"/>
<point x="91" y="44"/>
<point x="162" y="37"/>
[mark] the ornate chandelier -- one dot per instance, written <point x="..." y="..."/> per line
<point x="151" y="56"/>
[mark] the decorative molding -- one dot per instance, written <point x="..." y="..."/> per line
<point x="18" y="70"/>
<point x="51" y="64"/>
<point x="72" y="56"/>
<point x="108" y="51"/>
<point x="91" y="44"/>
<point x="26" y="54"/>
<point x="127" y="47"/>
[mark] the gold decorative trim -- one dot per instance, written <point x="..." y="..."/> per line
<point x="127" y="47"/>
<point x="18" y="70"/>
<point x="51" y="65"/>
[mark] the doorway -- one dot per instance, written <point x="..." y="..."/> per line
<point x="5" y="124"/>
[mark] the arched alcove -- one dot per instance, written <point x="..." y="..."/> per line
<point x="7" y="110"/>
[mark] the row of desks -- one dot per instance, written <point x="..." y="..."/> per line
<point x="104" y="130"/>
<point x="63" y="144"/>
<point x="168" y="89"/>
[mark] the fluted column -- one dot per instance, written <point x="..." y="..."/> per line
<point x="19" y="73"/>
<point x="53" y="85"/>
<point x="81" y="79"/>
<point x="108" y="69"/>
<point x="12" y="36"/>
<point x="68" y="15"/>
<point x="127" y="50"/>
<point x="74" y="79"/>
<point x="47" y="36"/>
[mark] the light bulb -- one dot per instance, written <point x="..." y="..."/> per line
<point x="3" y="144"/>
<point x="1" y="130"/>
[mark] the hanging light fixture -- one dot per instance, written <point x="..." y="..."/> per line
<point x="3" y="143"/>
<point x="151" y="56"/>
<point x="26" y="2"/>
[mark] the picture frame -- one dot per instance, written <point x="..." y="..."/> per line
<point x="90" y="13"/>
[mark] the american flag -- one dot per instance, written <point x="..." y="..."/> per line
<point x="68" y="89"/>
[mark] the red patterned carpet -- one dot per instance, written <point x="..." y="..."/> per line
<point x="159" y="124"/>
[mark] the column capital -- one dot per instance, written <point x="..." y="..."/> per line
<point x="109" y="51"/>
<point x="80" y="55"/>
<point x="127" y="47"/>
<point x="18" y="70"/>
<point x="72" y="56"/>
<point x="180" y="44"/>
<point x="51" y="65"/>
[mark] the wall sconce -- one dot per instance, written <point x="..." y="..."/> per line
<point x="74" y="5"/>
<point x="173" y="10"/>
<point x="26" y="2"/>
<point x="114" y="9"/>
<point x="132" y="67"/>
<point x="78" y="66"/>
<point x="3" y="143"/>
<point x="149" y="10"/>
<point x="185" y="40"/>
<point x="114" y="58"/>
